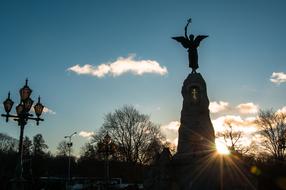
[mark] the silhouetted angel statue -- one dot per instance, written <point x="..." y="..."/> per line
<point x="191" y="44"/>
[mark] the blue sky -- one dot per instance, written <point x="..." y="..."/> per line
<point x="41" y="40"/>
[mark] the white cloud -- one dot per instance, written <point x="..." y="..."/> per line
<point x="216" y="107"/>
<point x="247" y="108"/>
<point x="282" y="110"/>
<point x="120" y="66"/>
<point x="278" y="78"/>
<point x="246" y="125"/>
<point x="170" y="130"/>
<point x="86" y="134"/>
<point x="49" y="111"/>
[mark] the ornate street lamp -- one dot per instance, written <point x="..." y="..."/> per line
<point x="25" y="92"/>
<point x="22" y="117"/>
<point x="38" y="109"/>
<point x="8" y="104"/>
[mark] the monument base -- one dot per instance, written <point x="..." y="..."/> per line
<point x="196" y="172"/>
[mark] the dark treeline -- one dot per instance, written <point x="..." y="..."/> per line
<point x="135" y="142"/>
<point x="39" y="163"/>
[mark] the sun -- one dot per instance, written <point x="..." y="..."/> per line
<point x="222" y="148"/>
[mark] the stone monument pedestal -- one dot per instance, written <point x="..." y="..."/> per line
<point x="197" y="165"/>
<point x="196" y="133"/>
<point x="194" y="161"/>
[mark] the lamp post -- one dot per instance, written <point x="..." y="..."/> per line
<point x="106" y="149"/>
<point x="22" y="116"/>
<point x="69" y="166"/>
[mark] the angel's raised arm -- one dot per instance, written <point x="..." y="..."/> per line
<point x="186" y="28"/>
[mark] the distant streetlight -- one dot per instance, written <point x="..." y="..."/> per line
<point x="69" y="166"/>
<point x="22" y="117"/>
<point x="106" y="146"/>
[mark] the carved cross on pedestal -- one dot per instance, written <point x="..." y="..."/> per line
<point x="194" y="94"/>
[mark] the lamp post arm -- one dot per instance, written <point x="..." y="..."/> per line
<point x="18" y="117"/>
<point x="35" y="119"/>
<point x="9" y="115"/>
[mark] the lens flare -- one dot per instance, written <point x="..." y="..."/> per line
<point x="221" y="148"/>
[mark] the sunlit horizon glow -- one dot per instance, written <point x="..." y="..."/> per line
<point x="244" y="125"/>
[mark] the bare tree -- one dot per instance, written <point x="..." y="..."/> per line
<point x="234" y="140"/>
<point x="8" y="144"/>
<point x="96" y="149"/>
<point x="27" y="147"/>
<point x="273" y="128"/>
<point x="63" y="148"/>
<point x="132" y="132"/>
<point x="231" y="138"/>
<point x="88" y="151"/>
<point x="171" y="146"/>
<point x="39" y="145"/>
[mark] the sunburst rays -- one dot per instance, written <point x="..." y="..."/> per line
<point x="222" y="170"/>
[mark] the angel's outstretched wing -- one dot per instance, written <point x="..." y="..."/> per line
<point x="198" y="39"/>
<point x="182" y="40"/>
